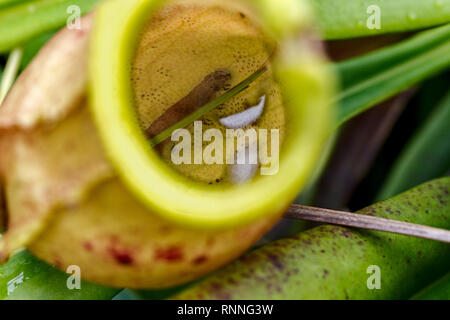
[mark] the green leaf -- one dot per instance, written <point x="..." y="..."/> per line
<point x="331" y="262"/>
<point x="21" y="23"/>
<point x="374" y="77"/>
<point x="157" y="294"/>
<point x="427" y="155"/>
<point x="32" y="47"/>
<point x="341" y="19"/>
<point x="26" y="278"/>
<point x="7" y="3"/>
<point x="439" y="290"/>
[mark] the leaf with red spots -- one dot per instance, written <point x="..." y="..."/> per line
<point x="331" y="262"/>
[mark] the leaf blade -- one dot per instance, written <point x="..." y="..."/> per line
<point x="25" y="277"/>
<point x="350" y="20"/>
<point x="330" y="262"/>
<point x="17" y="25"/>
<point x="431" y="144"/>
<point x="382" y="80"/>
<point x="439" y="290"/>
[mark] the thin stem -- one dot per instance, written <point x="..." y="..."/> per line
<point x="367" y="222"/>
<point x="10" y="74"/>
<point x="208" y="107"/>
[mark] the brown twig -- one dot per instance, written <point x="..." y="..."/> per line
<point x="367" y="222"/>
